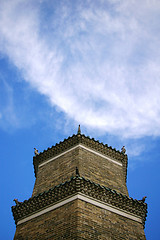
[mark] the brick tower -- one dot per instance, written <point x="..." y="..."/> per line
<point x="80" y="192"/>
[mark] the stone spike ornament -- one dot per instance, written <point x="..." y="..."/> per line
<point x="36" y="152"/>
<point x="143" y="199"/>
<point x="77" y="172"/>
<point x="123" y="150"/>
<point x="79" y="129"/>
<point x="16" y="201"/>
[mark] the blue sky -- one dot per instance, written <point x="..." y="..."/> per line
<point x="90" y="62"/>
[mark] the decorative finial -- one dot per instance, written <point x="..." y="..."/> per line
<point x="36" y="152"/>
<point x="143" y="199"/>
<point x="123" y="150"/>
<point x="77" y="172"/>
<point x="16" y="201"/>
<point x="79" y="129"/>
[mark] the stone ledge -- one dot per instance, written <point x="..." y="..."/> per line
<point x="83" y="147"/>
<point x="79" y="185"/>
<point x="84" y="198"/>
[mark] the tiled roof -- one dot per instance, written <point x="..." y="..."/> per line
<point x="79" y="184"/>
<point x="80" y="139"/>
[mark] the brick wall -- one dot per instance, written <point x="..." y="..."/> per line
<point x="56" y="172"/>
<point x="80" y="220"/>
<point x="90" y="166"/>
<point x="58" y="224"/>
<point x="98" y="223"/>
<point x="102" y="171"/>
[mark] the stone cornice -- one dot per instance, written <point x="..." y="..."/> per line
<point x="86" y="141"/>
<point x="84" y="186"/>
<point x="87" y="199"/>
<point x="83" y="147"/>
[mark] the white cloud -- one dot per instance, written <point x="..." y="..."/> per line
<point x="7" y="111"/>
<point x="135" y="149"/>
<point x="97" y="63"/>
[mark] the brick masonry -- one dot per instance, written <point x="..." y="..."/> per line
<point x="97" y="223"/>
<point x="58" y="224"/>
<point x="80" y="220"/>
<point x="91" y="166"/>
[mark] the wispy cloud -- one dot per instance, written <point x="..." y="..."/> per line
<point x="98" y="63"/>
<point x="7" y="111"/>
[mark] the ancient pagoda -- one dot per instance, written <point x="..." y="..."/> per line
<point x="80" y="192"/>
